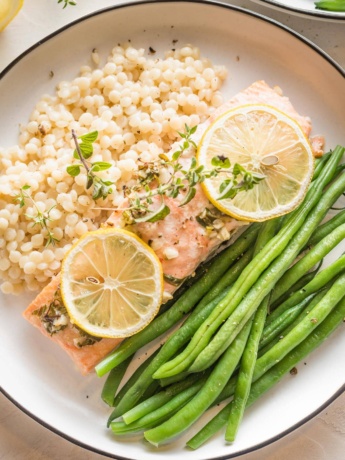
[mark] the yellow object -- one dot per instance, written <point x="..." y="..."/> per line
<point x="265" y="141"/>
<point x="8" y="10"/>
<point x="111" y="283"/>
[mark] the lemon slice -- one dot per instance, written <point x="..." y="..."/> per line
<point x="265" y="141"/>
<point x="111" y="283"/>
<point x="8" y="10"/>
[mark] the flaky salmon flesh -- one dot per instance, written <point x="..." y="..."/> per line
<point x="180" y="231"/>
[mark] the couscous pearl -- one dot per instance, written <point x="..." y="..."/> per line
<point x="10" y="234"/>
<point x="7" y="287"/>
<point x="11" y="246"/>
<point x="5" y="264"/>
<point x="48" y="255"/>
<point x="15" y="256"/>
<point x="37" y="240"/>
<point x="72" y="219"/>
<point x="32" y="127"/>
<point x="58" y="233"/>
<point x="42" y="266"/>
<point x="3" y="223"/>
<point x="26" y="247"/>
<point x="30" y="268"/>
<point x="137" y="104"/>
<point x="55" y="265"/>
<point x="35" y="257"/>
<point x="81" y="228"/>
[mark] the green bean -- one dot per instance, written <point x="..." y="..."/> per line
<point x="113" y="381"/>
<point x="211" y="428"/>
<point x="330" y="5"/>
<point x="170" y="348"/>
<point x="159" y="399"/>
<point x="320" y="280"/>
<point x="305" y="279"/>
<point x="301" y="267"/>
<point x="244" y="379"/>
<point x="173" y="379"/>
<point x="279" y="334"/>
<point x="266" y="282"/>
<point x="320" y="163"/>
<point x="303" y="329"/>
<point x="274" y="328"/>
<point x="151" y="390"/>
<point x="130" y="382"/>
<point x="325" y="229"/>
<point x="206" y="395"/>
<point x="274" y="375"/>
<point x="248" y="360"/>
<point x="161" y="413"/>
<point x="183" y="305"/>
<point x="198" y="350"/>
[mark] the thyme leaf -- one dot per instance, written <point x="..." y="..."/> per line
<point x="83" y="151"/>
<point x="39" y="218"/>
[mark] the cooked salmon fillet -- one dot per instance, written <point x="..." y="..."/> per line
<point x="179" y="234"/>
<point x="85" y="356"/>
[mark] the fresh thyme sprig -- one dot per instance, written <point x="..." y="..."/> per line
<point x="41" y="218"/>
<point x="83" y="151"/>
<point x="182" y="181"/>
<point x="140" y="196"/>
<point x="67" y="2"/>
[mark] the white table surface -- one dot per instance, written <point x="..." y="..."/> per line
<point x="322" y="438"/>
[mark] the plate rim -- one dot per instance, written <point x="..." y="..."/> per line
<point x="315" y="14"/>
<point x="227" y="6"/>
<point x="216" y="3"/>
<point x="266" y="443"/>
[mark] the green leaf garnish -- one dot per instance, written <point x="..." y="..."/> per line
<point x="83" y="151"/>
<point x="73" y="170"/>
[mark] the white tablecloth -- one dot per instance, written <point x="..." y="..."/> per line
<point x="322" y="438"/>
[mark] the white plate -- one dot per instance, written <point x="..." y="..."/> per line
<point x="303" y="7"/>
<point x="35" y="374"/>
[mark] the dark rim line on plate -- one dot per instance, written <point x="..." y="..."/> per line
<point x="201" y="2"/>
<point x="301" y="11"/>
<point x="213" y="4"/>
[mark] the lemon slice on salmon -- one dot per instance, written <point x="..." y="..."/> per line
<point x="111" y="283"/>
<point x="8" y="10"/>
<point x="264" y="141"/>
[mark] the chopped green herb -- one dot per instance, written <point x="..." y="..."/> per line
<point x="54" y="316"/>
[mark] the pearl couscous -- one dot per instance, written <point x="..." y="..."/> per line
<point x="137" y="103"/>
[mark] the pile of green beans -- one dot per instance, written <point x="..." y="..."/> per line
<point x="259" y="309"/>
